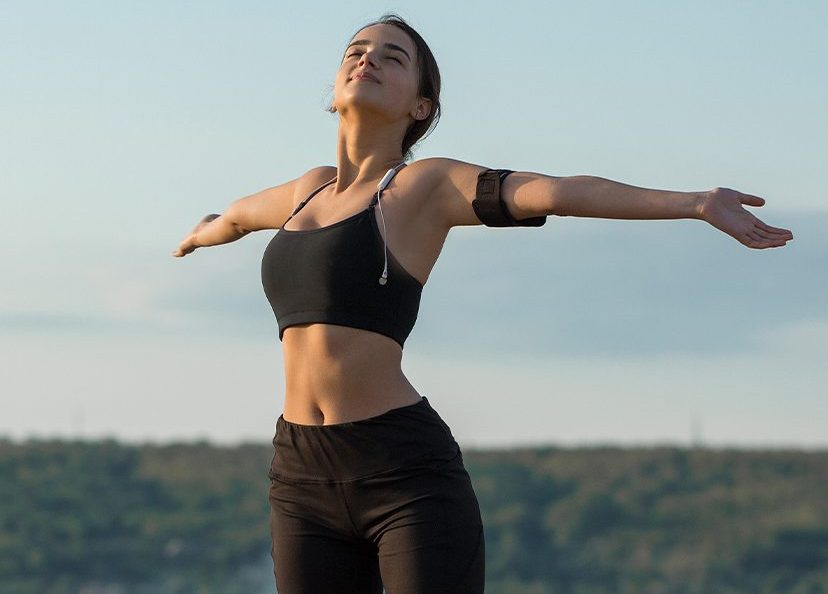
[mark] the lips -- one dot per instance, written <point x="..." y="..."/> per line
<point x="365" y="76"/>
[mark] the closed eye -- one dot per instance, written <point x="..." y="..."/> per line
<point x="360" y="53"/>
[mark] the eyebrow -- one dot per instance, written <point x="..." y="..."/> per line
<point x="392" y="46"/>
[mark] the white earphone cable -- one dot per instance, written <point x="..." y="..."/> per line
<point x="386" y="179"/>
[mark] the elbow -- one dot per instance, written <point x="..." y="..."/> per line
<point x="231" y="217"/>
<point x="564" y="194"/>
<point x="556" y="196"/>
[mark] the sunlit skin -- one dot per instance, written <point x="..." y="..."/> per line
<point x="335" y="374"/>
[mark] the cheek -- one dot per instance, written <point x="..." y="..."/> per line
<point x="404" y="82"/>
<point x="413" y="83"/>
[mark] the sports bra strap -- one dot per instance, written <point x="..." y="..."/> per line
<point x="374" y="200"/>
<point x="305" y="201"/>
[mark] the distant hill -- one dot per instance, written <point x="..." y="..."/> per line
<point x="80" y="517"/>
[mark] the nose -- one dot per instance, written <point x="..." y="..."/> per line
<point x="365" y="57"/>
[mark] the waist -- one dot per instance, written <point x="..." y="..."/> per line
<point x="336" y="374"/>
<point x="407" y="436"/>
<point x="316" y="402"/>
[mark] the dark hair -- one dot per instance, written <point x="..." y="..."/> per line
<point x="429" y="84"/>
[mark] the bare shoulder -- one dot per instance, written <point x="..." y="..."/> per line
<point x="312" y="179"/>
<point x="443" y="182"/>
<point x="453" y="187"/>
<point x="269" y="208"/>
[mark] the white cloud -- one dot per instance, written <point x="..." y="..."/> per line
<point x="215" y="386"/>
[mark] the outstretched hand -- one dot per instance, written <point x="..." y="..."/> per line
<point x="189" y="244"/>
<point x="722" y="208"/>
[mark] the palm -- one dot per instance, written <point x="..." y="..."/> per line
<point x="723" y="209"/>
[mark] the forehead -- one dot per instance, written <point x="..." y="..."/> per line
<point x="382" y="33"/>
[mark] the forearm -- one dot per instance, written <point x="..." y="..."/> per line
<point x="591" y="196"/>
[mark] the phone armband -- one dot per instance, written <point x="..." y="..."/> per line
<point x="488" y="204"/>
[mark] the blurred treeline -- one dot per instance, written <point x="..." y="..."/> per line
<point x="81" y="517"/>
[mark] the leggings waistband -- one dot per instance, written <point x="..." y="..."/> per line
<point x="405" y="436"/>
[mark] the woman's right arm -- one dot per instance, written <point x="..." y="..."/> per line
<point x="266" y="209"/>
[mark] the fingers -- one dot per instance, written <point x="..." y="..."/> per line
<point x="767" y="231"/>
<point x="761" y="239"/>
<point x="183" y="250"/>
<point x="770" y="229"/>
<point x="756" y="240"/>
<point x="772" y="237"/>
<point x="776" y="233"/>
<point x="766" y="234"/>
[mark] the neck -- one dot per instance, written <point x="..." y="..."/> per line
<point x="366" y="151"/>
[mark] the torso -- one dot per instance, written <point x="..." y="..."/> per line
<point x="337" y="374"/>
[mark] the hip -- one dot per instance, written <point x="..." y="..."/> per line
<point x="410" y="436"/>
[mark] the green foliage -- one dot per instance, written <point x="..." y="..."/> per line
<point x="100" y="517"/>
<point x="660" y="520"/>
<point x="81" y="513"/>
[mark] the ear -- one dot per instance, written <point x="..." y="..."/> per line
<point x="422" y="110"/>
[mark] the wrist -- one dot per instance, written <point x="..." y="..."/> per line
<point x="699" y="201"/>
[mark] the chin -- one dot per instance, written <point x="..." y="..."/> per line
<point x="365" y="106"/>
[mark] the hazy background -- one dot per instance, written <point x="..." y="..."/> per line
<point x="122" y="124"/>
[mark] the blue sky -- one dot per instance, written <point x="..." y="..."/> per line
<point x="122" y="124"/>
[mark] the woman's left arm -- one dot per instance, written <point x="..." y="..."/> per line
<point x="528" y="194"/>
<point x="591" y="196"/>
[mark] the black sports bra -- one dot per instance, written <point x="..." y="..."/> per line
<point x="340" y="274"/>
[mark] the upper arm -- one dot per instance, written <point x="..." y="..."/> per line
<point x="270" y="208"/>
<point x="526" y="194"/>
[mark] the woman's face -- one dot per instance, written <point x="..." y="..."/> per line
<point x="388" y="56"/>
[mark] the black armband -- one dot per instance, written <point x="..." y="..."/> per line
<point x="489" y="206"/>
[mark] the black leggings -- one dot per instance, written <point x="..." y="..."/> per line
<point x="380" y="502"/>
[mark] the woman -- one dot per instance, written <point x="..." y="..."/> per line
<point x="368" y="487"/>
